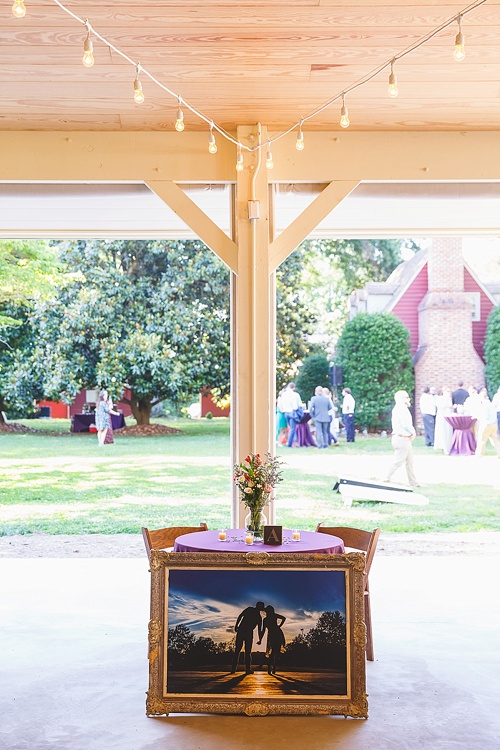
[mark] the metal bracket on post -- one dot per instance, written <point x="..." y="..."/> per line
<point x="253" y="210"/>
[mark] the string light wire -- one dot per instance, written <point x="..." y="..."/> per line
<point x="340" y="96"/>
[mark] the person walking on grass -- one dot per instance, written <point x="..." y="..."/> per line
<point x="403" y="434"/>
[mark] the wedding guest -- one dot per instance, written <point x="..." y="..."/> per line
<point x="443" y="435"/>
<point x="332" y="436"/>
<point x="319" y="409"/>
<point x="403" y="434"/>
<point x="460" y="395"/>
<point x="348" y="406"/>
<point x="428" y="409"/>
<point x="472" y="407"/>
<point x="102" y="416"/>
<point x="290" y="404"/>
<point x="487" y="424"/>
<point x="496" y="403"/>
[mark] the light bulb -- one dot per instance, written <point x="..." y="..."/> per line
<point x="88" y="49"/>
<point x="269" y="160"/>
<point x="138" y="93"/>
<point x="19" y="9"/>
<point x="239" y="160"/>
<point x="299" y="143"/>
<point x="393" y="83"/>
<point x="179" y="123"/>
<point x="344" y="117"/>
<point x="212" y="146"/>
<point x="459" y="52"/>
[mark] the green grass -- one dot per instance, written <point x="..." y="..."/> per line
<point x="56" y="482"/>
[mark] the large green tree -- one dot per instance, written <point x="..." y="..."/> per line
<point x="374" y="352"/>
<point x="150" y="316"/>
<point x="29" y="271"/>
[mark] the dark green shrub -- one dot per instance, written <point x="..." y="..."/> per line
<point x="492" y="351"/>
<point x="315" y="370"/>
<point x="209" y="415"/>
<point x="374" y="352"/>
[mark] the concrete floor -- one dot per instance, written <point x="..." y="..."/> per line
<point x="73" y="639"/>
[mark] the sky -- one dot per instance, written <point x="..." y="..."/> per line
<point x="209" y="601"/>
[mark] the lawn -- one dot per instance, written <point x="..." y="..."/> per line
<point x="56" y="482"/>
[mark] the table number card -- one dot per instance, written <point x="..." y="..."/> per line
<point x="273" y="535"/>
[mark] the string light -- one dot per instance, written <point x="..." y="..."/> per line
<point x="19" y="9"/>
<point x="459" y="52"/>
<point x="239" y="159"/>
<point x="138" y="92"/>
<point x="269" y="159"/>
<point x="344" y="114"/>
<point x="299" y="143"/>
<point x="212" y="146"/>
<point x="393" y="82"/>
<point x="179" y="123"/>
<point x="88" y="49"/>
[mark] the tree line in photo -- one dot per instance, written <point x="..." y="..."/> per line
<point x="321" y="647"/>
<point x="154" y="317"/>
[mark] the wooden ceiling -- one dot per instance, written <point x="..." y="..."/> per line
<point x="268" y="61"/>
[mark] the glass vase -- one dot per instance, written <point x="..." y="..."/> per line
<point x="255" y="520"/>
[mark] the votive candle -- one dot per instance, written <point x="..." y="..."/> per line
<point x="222" y="535"/>
<point x="296" y="535"/>
<point x="249" y="537"/>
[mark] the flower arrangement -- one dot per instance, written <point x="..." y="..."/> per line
<point x="256" y="478"/>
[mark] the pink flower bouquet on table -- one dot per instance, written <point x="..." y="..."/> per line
<point x="256" y="478"/>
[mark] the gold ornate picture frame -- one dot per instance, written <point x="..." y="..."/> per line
<point x="257" y="634"/>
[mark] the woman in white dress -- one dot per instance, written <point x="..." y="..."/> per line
<point x="443" y="435"/>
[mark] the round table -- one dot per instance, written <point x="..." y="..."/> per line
<point x="208" y="541"/>
<point x="464" y="442"/>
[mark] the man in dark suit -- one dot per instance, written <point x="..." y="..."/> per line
<point x="458" y="397"/>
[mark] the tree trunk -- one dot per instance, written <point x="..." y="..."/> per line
<point x="141" y="409"/>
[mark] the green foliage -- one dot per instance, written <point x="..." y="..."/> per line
<point x="492" y="351"/>
<point x="209" y="415"/>
<point x="334" y="269"/>
<point x="314" y="371"/>
<point x="148" y="315"/>
<point x="29" y="270"/>
<point x="374" y="352"/>
<point x="295" y="322"/>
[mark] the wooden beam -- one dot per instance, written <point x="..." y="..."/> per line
<point x="308" y="220"/>
<point x="198" y="221"/>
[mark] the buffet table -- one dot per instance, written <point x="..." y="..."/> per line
<point x="208" y="541"/>
<point x="464" y="442"/>
<point x="82" y="422"/>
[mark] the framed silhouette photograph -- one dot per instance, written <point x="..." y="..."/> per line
<point x="257" y="634"/>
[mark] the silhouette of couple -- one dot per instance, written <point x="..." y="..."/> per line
<point x="247" y="621"/>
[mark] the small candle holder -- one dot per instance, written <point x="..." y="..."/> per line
<point x="296" y="535"/>
<point x="249" y="537"/>
<point x="222" y="535"/>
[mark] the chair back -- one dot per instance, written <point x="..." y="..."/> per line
<point x="357" y="539"/>
<point x="165" y="538"/>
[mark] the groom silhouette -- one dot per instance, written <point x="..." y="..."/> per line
<point x="246" y="623"/>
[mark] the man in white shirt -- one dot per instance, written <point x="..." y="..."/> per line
<point x="288" y="402"/>
<point x="348" y="406"/>
<point x="428" y="409"/>
<point x="403" y="434"/>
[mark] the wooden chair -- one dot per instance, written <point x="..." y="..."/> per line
<point x="165" y="538"/>
<point x="364" y="541"/>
